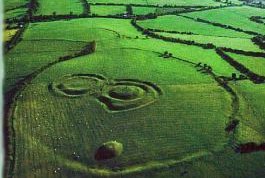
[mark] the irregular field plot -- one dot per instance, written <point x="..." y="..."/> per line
<point x="61" y="7"/>
<point x="252" y="112"/>
<point x="234" y="43"/>
<point x="143" y="10"/>
<point x="31" y="55"/>
<point x="8" y="34"/>
<point x="235" y="16"/>
<point x="161" y="2"/>
<point x="146" y="10"/>
<point x="181" y="24"/>
<point x="255" y="64"/>
<point x="108" y="10"/>
<point x="11" y="4"/>
<point x="16" y="13"/>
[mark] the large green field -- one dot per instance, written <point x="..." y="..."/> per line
<point x="161" y="2"/>
<point x="132" y="96"/>
<point x="235" y="16"/>
<point x="234" y="42"/>
<point x="182" y="24"/>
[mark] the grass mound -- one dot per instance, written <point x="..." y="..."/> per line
<point x="124" y="92"/>
<point x="77" y="85"/>
<point x="128" y="94"/>
<point x="109" y="150"/>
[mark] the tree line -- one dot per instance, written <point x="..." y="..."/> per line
<point x="86" y="6"/>
<point x="222" y="25"/>
<point x="257" y="19"/>
<point x="15" y="39"/>
<point x="251" y="75"/>
<point x="260" y="41"/>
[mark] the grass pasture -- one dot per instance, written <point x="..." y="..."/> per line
<point x="252" y="123"/>
<point x="95" y="97"/>
<point x="16" y="13"/>
<point x="229" y="42"/>
<point x="94" y="130"/>
<point x="255" y="64"/>
<point x="181" y="24"/>
<point x="108" y="10"/>
<point x="234" y="16"/>
<point x="63" y="7"/>
<point x="144" y="10"/>
<point x="11" y="4"/>
<point x="161" y="2"/>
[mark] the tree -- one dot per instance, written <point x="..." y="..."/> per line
<point x="88" y="9"/>
<point x="129" y="9"/>
<point x="198" y="65"/>
<point x="234" y="76"/>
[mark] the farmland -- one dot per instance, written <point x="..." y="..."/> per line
<point x="59" y="7"/>
<point x="155" y="88"/>
<point x="108" y="10"/>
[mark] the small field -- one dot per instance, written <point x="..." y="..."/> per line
<point x="9" y="34"/>
<point x="59" y="7"/>
<point x="255" y="64"/>
<point x="12" y="4"/>
<point x="108" y="10"/>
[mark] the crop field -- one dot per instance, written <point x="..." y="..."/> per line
<point x="134" y="89"/>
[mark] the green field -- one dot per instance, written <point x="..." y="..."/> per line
<point x="59" y="7"/>
<point x="92" y="96"/>
<point x="108" y="10"/>
<point x="17" y="13"/>
<point x="234" y="16"/>
<point x="144" y="10"/>
<point x="234" y="42"/>
<point x="255" y="64"/>
<point x="11" y="4"/>
<point x="181" y="24"/>
<point x="251" y="130"/>
<point x="161" y="2"/>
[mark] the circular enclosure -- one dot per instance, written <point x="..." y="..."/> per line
<point x="78" y="85"/>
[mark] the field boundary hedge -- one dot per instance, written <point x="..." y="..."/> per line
<point x="11" y="96"/>
<point x="15" y="39"/>
<point x="221" y="25"/>
<point x="255" y="78"/>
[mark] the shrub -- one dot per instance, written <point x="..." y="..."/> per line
<point x="109" y="150"/>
